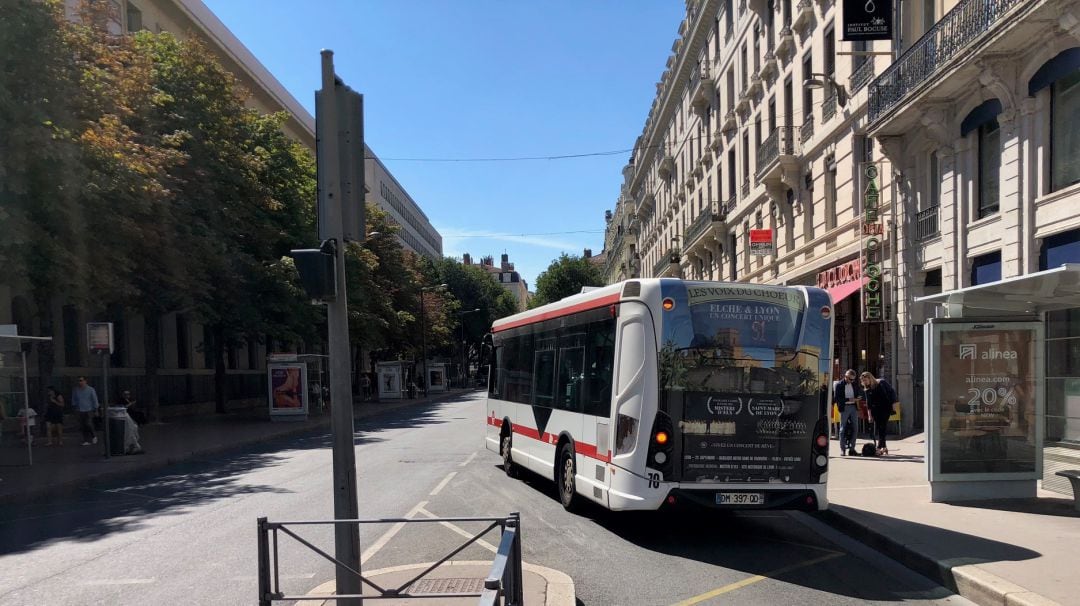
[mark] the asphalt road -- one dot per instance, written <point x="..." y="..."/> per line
<point x="187" y="534"/>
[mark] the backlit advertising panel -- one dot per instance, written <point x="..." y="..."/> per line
<point x="986" y="400"/>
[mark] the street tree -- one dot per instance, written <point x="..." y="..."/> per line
<point x="564" y="277"/>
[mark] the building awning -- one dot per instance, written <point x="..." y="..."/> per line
<point x="843" y="291"/>
<point x="1049" y="290"/>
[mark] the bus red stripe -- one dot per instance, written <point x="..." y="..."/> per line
<point x="558" y="313"/>
<point x="582" y="448"/>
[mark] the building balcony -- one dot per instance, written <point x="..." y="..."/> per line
<point x="806" y="131"/>
<point x="702" y="87"/>
<point x="769" y="66"/>
<point x="668" y="265"/>
<point x="755" y="85"/>
<point x="667" y="164"/>
<point x="828" y="108"/>
<point x="745" y="189"/>
<point x="697" y="171"/>
<point x="704" y="225"/>
<point x="972" y="29"/>
<point x="861" y="76"/>
<point x="731" y="122"/>
<point x="646" y="206"/>
<point x="706" y="160"/>
<point x="926" y="223"/>
<point x="717" y="135"/>
<point x="729" y="207"/>
<point x="785" y="44"/>
<point x="744" y="100"/>
<point x="779" y="151"/>
<point x="804" y="15"/>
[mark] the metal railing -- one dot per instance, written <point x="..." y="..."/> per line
<point x="703" y="221"/>
<point x="745" y="190"/>
<point x="504" y="585"/>
<point x="828" y="108"/>
<point x="669" y="258"/>
<point x="861" y="76"/>
<point x="965" y="23"/>
<point x="729" y="206"/>
<point x="806" y="131"/>
<point x="779" y="142"/>
<point x="926" y="223"/>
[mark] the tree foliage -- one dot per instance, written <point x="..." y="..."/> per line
<point x="564" y="277"/>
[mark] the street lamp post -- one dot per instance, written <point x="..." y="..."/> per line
<point x="423" y="334"/>
<point x="461" y="321"/>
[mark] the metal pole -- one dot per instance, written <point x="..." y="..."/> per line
<point x="423" y="343"/>
<point x="346" y="536"/>
<point x="26" y="410"/>
<point x="264" y="564"/>
<point x="105" y="390"/>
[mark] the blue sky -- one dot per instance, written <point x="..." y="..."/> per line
<point x="484" y="79"/>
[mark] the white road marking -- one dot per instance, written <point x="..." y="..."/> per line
<point x="461" y="531"/>
<point x="389" y="534"/>
<point x="467" y="461"/>
<point x="442" y="484"/>
<point x="98" y="582"/>
<point x="879" y="487"/>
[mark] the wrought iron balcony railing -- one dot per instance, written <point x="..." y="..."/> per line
<point x="779" y="142"/>
<point x="926" y="223"/>
<point x="861" y="76"/>
<point x="965" y="23"/>
<point x="746" y="188"/>
<point x="669" y="258"/>
<point x="702" y="222"/>
<point x="828" y="108"/>
<point x="729" y="206"/>
<point x="806" y="132"/>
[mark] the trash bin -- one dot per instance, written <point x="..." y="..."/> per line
<point x="117" y="432"/>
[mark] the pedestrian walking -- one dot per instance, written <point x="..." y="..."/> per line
<point x="85" y="400"/>
<point x="881" y="400"/>
<point x="54" y="417"/>
<point x="846" y="395"/>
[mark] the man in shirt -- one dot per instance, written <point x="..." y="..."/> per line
<point x="85" y="400"/>
<point x="846" y="394"/>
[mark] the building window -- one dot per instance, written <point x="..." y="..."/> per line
<point x="986" y="268"/>
<point x="830" y="192"/>
<point x="934" y="190"/>
<point x="733" y="269"/>
<point x="808" y="93"/>
<point x="1065" y="132"/>
<point x="134" y="18"/>
<point x="1060" y="249"/>
<point x="989" y="168"/>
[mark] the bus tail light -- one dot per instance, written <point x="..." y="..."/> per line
<point x="668" y="304"/>
<point x="661" y="446"/>
<point x="822" y="441"/>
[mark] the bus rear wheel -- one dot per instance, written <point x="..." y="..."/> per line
<point x="566" y="479"/>
<point x="507" y="458"/>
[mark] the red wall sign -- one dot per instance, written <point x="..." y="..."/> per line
<point x="840" y="274"/>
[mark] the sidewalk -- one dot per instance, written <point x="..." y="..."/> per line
<point x="59" y="469"/>
<point x="1000" y="552"/>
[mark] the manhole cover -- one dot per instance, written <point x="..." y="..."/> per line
<point x="447" y="586"/>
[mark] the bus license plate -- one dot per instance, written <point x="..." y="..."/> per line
<point x="740" y="498"/>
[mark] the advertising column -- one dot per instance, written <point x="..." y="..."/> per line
<point x="985" y="399"/>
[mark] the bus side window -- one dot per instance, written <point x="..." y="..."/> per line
<point x="543" y="375"/>
<point x="599" y="368"/>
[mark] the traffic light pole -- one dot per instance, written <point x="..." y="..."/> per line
<point x="346" y="536"/>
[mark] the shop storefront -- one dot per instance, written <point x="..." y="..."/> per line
<point x="856" y="344"/>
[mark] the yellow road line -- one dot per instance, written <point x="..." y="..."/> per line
<point x="754" y="579"/>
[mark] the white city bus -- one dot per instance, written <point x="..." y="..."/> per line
<point x="656" y="392"/>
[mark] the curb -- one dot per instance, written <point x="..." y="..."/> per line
<point x="559" y="591"/>
<point x="967" y="580"/>
<point x="322" y="423"/>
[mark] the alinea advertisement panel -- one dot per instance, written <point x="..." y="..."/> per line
<point x="985" y="395"/>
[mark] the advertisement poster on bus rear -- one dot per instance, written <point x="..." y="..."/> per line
<point x="738" y="437"/>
